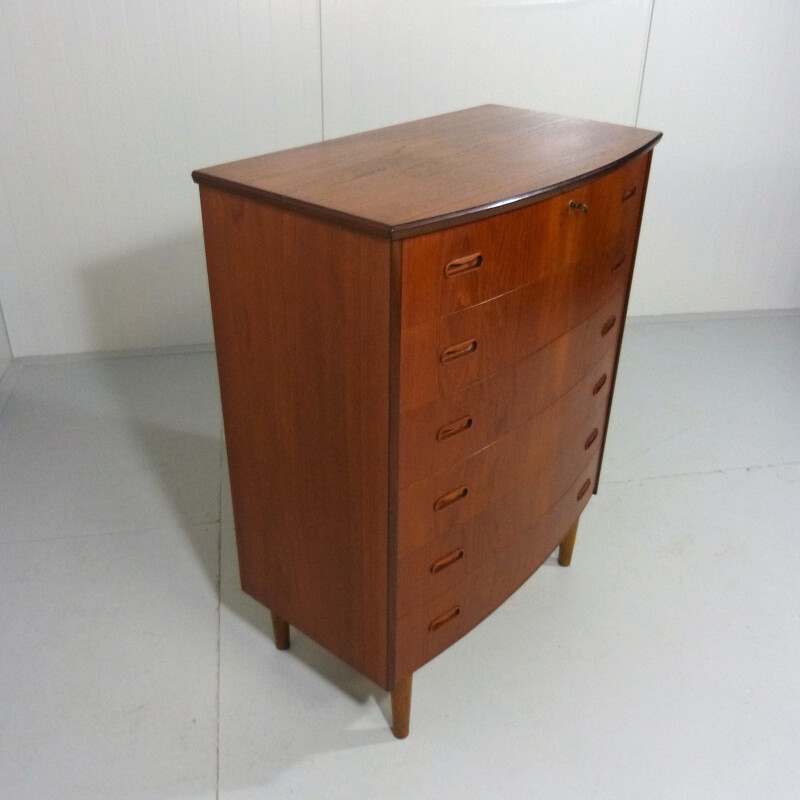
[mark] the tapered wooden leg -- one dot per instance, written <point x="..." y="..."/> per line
<point x="401" y="707"/>
<point x="280" y="627"/>
<point x="567" y="543"/>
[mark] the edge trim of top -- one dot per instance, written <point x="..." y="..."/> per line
<point x="421" y="226"/>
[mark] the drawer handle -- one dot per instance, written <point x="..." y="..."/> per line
<point x="459" y="351"/>
<point x="443" y="619"/>
<point x="600" y="384"/>
<point x="584" y="489"/>
<point x="576" y="206"/>
<point x="451" y="497"/>
<point x="628" y="193"/>
<point x="453" y="429"/>
<point x="590" y="440"/>
<point x="619" y="263"/>
<point x="609" y="324"/>
<point x="461" y="265"/>
<point x="446" y="561"/>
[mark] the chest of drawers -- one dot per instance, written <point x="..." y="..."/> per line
<point x="417" y="334"/>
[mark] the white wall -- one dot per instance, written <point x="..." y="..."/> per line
<point x="106" y="109"/>
<point x="5" y="347"/>
<point x="390" y="61"/>
<point x="722" y="225"/>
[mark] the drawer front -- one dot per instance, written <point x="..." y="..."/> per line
<point x="433" y="626"/>
<point x="597" y="222"/>
<point x="460" y="267"/>
<point x="441" y="433"/>
<point x="534" y="463"/>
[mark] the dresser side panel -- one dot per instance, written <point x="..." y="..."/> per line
<point x="301" y="321"/>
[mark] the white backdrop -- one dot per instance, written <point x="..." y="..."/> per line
<point x="107" y="107"/>
<point x="106" y="110"/>
<point x="390" y="61"/>
<point x="722" y="222"/>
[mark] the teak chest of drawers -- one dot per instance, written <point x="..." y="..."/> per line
<point x="417" y="334"/>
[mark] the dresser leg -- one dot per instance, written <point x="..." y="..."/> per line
<point x="280" y="628"/>
<point x="401" y="707"/>
<point x="567" y="543"/>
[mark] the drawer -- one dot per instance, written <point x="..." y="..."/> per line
<point x="445" y="431"/>
<point x="434" y="625"/>
<point x="460" y="267"/>
<point x="531" y="465"/>
<point x="597" y="222"/>
<point x="448" y="271"/>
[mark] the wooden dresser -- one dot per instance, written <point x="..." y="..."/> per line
<point x="417" y="333"/>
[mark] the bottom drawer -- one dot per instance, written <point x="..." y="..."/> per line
<point x="433" y="627"/>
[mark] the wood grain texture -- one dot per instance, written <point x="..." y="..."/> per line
<point x="484" y="532"/>
<point x="523" y="246"/>
<point x="425" y="175"/>
<point x="581" y="259"/>
<point x="496" y="334"/>
<point x="506" y="399"/>
<point x="530" y="462"/>
<point x="301" y="320"/>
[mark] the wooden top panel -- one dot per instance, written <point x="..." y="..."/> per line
<point x="437" y="172"/>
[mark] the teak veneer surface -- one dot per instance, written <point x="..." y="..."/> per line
<point x="418" y="333"/>
<point x="542" y="242"/>
<point x="304" y="379"/>
<point x="529" y="460"/>
<point x="428" y="174"/>
<point x="491" y="408"/>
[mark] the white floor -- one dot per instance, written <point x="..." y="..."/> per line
<point x="665" y="663"/>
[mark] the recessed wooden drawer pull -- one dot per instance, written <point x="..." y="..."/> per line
<point x="609" y="324"/>
<point x="461" y="265"/>
<point x="459" y="351"/>
<point x="620" y="262"/>
<point x="451" y="497"/>
<point x="446" y="561"/>
<point x="590" y="440"/>
<point x="600" y="384"/>
<point x="575" y="206"/>
<point x="443" y="619"/>
<point x="453" y="429"/>
<point x="628" y="193"/>
<point x="584" y="489"/>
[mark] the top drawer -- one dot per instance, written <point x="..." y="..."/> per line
<point x="459" y="267"/>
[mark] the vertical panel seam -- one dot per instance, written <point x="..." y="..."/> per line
<point x="644" y="61"/>
<point x="321" y="74"/>
<point x="4" y="330"/>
